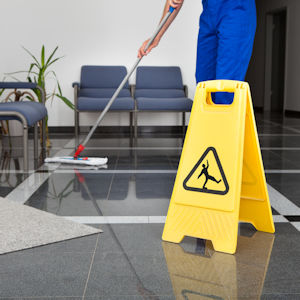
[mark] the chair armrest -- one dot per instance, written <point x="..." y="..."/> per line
<point x="186" y="91"/>
<point x="17" y="85"/>
<point x="76" y="84"/>
<point x="23" y="85"/>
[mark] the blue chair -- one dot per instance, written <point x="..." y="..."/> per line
<point x="27" y="112"/>
<point x="96" y="87"/>
<point x="160" y="89"/>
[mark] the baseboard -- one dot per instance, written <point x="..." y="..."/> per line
<point x="118" y="129"/>
<point x="292" y="114"/>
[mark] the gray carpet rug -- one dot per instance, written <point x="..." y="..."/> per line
<point x="23" y="227"/>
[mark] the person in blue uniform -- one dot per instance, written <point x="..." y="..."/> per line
<point x="225" y="40"/>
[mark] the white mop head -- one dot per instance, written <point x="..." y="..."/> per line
<point x="90" y="161"/>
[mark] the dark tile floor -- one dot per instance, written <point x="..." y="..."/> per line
<point x="129" y="260"/>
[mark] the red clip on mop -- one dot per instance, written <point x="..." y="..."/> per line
<point x="94" y="161"/>
<point x="78" y="151"/>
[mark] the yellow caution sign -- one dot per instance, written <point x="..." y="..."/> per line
<point x="220" y="179"/>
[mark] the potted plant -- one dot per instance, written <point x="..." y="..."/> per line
<point x="40" y="72"/>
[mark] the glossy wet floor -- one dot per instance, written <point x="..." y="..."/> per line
<point x="129" y="200"/>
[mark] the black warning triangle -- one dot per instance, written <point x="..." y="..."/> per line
<point x="208" y="177"/>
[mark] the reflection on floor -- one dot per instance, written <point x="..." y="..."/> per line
<point x="128" y="200"/>
<point x="203" y="272"/>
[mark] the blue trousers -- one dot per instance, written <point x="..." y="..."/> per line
<point x="225" y="42"/>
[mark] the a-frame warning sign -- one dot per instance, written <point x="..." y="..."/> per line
<point x="207" y="176"/>
<point x="220" y="179"/>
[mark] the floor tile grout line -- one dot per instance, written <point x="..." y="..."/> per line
<point x="274" y="171"/>
<point x="129" y="171"/>
<point x="23" y="186"/>
<point x="90" y="269"/>
<point x="283" y="126"/>
<point x="175" y="148"/>
<point x="162" y="171"/>
<point x="42" y="297"/>
<point x="113" y="177"/>
<point x="98" y="220"/>
<point x="278" y="134"/>
<point x="130" y="148"/>
<point x="281" y="157"/>
<point x="271" y="171"/>
<point x="280" y="148"/>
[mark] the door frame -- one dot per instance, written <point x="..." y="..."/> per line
<point x="268" y="57"/>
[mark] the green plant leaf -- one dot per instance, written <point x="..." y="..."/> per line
<point x="57" y="82"/>
<point x="53" y="61"/>
<point x="30" y="98"/>
<point x="59" y="88"/>
<point x="52" y="72"/>
<point x="30" y="68"/>
<point x="66" y="101"/>
<point x="51" y="55"/>
<point x="43" y="56"/>
<point x="19" y="72"/>
<point x="15" y="78"/>
<point x="37" y="62"/>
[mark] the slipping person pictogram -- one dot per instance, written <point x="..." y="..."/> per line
<point x="212" y="170"/>
<point x="207" y="176"/>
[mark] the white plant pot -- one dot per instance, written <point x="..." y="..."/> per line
<point x="15" y="128"/>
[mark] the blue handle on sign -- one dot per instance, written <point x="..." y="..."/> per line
<point x="171" y="9"/>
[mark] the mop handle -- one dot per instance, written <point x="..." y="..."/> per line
<point x="116" y="93"/>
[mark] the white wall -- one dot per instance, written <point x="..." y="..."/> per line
<point x="99" y="32"/>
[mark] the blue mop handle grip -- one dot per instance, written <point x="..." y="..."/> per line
<point x="171" y="9"/>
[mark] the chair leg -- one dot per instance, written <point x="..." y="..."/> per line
<point x="183" y="124"/>
<point x="135" y="125"/>
<point x="25" y="148"/>
<point x="43" y="132"/>
<point x="131" y="122"/>
<point x="76" y="126"/>
<point x="36" y="143"/>
<point x="131" y="128"/>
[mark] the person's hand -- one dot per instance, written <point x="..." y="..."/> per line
<point x="175" y="3"/>
<point x="142" y="51"/>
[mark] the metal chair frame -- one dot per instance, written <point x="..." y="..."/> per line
<point x="25" y="131"/>
<point x="173" y="111"/>
<point x="77" y="111"/>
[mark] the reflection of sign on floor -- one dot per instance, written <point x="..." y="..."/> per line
<point x="207" y="176"/>
<point x="217" y="276"/>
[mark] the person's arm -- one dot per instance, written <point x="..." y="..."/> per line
<point x="177" y="5"/>
<point x="200" y="174"/>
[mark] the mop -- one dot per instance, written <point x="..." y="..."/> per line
<point x="97" y="161"/>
